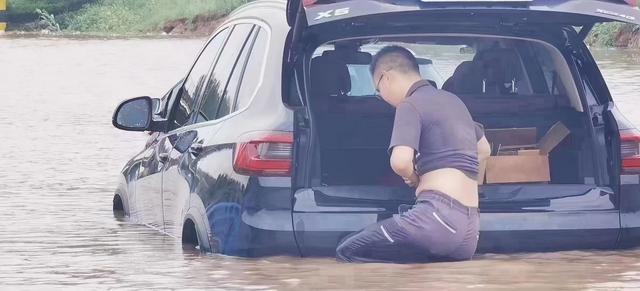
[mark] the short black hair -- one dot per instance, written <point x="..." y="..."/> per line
<point x="395" y="57"/>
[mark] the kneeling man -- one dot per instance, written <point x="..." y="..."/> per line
<point x="435" y="147"/>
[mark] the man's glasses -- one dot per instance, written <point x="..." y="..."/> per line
<point x="378" y="83"/>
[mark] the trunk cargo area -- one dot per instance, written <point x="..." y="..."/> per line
<point x="517" y="86"/>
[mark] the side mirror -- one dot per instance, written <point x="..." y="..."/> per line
<point x="134" y="114"/>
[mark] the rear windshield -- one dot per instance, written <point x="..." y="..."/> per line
<point x="464" y="65"/>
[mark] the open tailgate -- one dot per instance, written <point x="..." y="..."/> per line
<point x="322" y="11"/>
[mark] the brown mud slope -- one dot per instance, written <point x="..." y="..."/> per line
<point x="628" y="36"/>
<point x="201" y="25"/>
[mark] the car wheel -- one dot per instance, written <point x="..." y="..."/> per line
<point x="190" y="239"/>
<point x="118" y="207"/>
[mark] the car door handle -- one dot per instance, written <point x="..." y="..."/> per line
<point x="163" y="157"/>
<point x="196" y="148"/>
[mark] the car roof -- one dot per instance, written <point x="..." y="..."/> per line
<point x="270" y="11"/>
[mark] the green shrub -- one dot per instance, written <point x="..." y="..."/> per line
<point x="49" y="20"/>
<point x="605" y="34"/>
<point x="136" y="16"/>
<point x="52" y="6"/>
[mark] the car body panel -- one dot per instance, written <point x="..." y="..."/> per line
<point x="148" y="186"/>
<point x="233" y="205"/>
<point x="629" y="196"/>
<point x="323" y="216"/>
<point x="181" y="175"/>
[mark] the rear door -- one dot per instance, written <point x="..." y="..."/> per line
<point x="195" y="143"/>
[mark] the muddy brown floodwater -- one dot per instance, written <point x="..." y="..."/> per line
<point x="60" y="158"/>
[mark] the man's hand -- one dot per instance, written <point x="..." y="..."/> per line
<point x="412" y="181"/>
<point x="402" y="164"/>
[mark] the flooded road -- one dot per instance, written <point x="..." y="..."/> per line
<point x="60" y="159"/>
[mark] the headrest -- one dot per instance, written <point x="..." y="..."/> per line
<point x="466" y="79"/>
<point x="499" y="53"/>
<point x="500" y="64"/>
<point x="464" y="68"/>
<point x="329" y="76"/>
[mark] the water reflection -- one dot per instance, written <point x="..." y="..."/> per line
<point x="620" y="69"/>
<point x="60" y="163"/>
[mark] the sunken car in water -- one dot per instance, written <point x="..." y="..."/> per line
<point x="275" y="142"/>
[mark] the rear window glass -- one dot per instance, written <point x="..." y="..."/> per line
<point x="498" y="67"/>
<point x="549" y="69"/>
<point x="362" y="82"/>
<point x="360" y="76"/>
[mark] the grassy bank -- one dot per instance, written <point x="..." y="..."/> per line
<point x="117" y="16"/>
<point x="28" y="7"/>
<point x="614" y="35"/>
<point x="131" y="17"/>
<point x="139" y="16"/>
<point x="604" y="35"/>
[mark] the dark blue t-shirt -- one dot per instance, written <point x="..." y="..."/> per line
<point x="439" y="127"/>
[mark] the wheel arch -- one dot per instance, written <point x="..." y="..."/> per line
<point x="120" y="200"/>
<point x="196" y="215"/>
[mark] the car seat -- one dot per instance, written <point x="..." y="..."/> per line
<point x="501" y="69"/>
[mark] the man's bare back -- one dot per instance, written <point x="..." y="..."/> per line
<point x="454" y="182"/>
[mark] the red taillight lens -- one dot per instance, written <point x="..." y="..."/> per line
<point x="267" y="155"/>
<point x="633" y="3"/>
<point x="630" y="149"/>
<point x="306" y="3"/>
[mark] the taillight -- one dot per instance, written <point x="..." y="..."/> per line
<point x="630" y="149"/>
<point x="265" y="154"/>
<point x="306" y="3"/>
<point x="633" y="3"/>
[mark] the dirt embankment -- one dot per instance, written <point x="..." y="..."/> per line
<point x="201" y="25"/>
<point x="628" y="36"/>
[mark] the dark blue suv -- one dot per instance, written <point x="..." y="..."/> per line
<point x="275" y="143"/>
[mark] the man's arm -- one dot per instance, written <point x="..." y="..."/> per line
<point x="484" y="149"/>
<point x="405" y="140"/>
<point x="402" y="163"/>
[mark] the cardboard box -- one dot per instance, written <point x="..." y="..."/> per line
<point x="556" y="134"/>
<point x="524" y="168"/>
<point x="508" y="137"/>
<point x="522" y="163"/>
